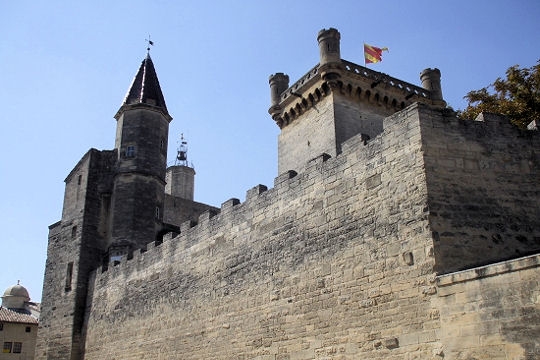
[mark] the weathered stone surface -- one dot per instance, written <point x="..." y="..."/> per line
<point x="492" y="311"/>
<point x="308" y="270"/>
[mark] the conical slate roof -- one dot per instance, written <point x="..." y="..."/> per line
<point x="145" y="87"/>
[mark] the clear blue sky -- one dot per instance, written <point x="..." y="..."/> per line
<point x="66" y="66"/>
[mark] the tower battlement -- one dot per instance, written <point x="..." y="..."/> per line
<point x="359" y="82"/>
<point x="343" y="98"/>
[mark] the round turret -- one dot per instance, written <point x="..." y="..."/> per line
<point x="279" y="82"/>
<point x="180" y="178"/>
<point x="137" y="199"/>
<point x="15" y="297"/>
<point x="329" y="46"/>
<point x="180" y="181"/>
<point x="431" y="80"/>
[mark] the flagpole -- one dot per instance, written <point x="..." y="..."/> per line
<point x="364" y="54"/>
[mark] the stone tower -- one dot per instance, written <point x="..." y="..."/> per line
<point x="76" y="246"/>
<point x="113" y="204"/>
<point x="337" y="100"/>
<point x="141" y="144"/>
<point x="180" y="177"/>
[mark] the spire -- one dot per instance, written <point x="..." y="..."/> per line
<point x="145" y="87"/>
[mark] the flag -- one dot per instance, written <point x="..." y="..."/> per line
<point x="373" y="54"/>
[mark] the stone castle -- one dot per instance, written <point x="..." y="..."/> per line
<point x="394" y="230"/>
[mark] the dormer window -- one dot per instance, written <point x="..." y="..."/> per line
<point x="130" y="151"/>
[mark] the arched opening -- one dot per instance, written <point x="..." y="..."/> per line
<point x="318" y="94"/>
<point x="311" y="99"/>
<point x="325" y="89"/>
<point x="293" y="113"/>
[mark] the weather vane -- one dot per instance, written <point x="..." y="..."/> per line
<point x="149" y="43"/>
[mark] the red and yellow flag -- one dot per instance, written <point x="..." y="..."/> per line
<point x="373" y="54"/>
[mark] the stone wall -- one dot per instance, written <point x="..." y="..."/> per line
<point x="303" y="140"/>
<point x="483" y="180"/>
<point x="339" y="261"/>
<point x="333" y="262"/>
<point x="326" y="125"/>
<point x="491" y="312"/>
<point x="75" y="246"/>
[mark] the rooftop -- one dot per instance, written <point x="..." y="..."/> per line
<point x="145" y="88"/>
<point x="17" y="316"/>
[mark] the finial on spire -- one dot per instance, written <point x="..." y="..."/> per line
<point x="149" y="43"/>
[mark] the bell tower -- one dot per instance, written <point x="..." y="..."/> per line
<point x="181" y="177"/>
<point x="141" y="145"/>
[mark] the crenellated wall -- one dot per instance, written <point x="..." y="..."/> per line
<point x="322" y="263"/>
<point x="337" y="262"/>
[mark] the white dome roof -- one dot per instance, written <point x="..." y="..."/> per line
<point x="17" y="290"/>
<point x="15" y="297"/>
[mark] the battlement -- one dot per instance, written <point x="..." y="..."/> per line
<point x="337" y="100"/>
<point x="197" y="235"/>
<point x="410" y="92"/>
<point x="359" y="82"/>
<point x="412" y="124"/>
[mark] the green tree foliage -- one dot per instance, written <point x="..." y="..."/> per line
<point x="517" y="96"/>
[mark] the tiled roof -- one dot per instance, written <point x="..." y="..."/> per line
<point x="145" y="87"/>
<point x="16" y="316"/>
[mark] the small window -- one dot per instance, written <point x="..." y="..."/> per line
<point x="28" y="329"/>
<point x="69" y="279"/>
<point x="7" y="347"/>
<point x="74" y="232"/>
<point x="157" y="212"/>
<point x="1" y="326"/>
<point x="79" y="180"/>
<point x="130" y="151"/>
<point x="17" y="347"/>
